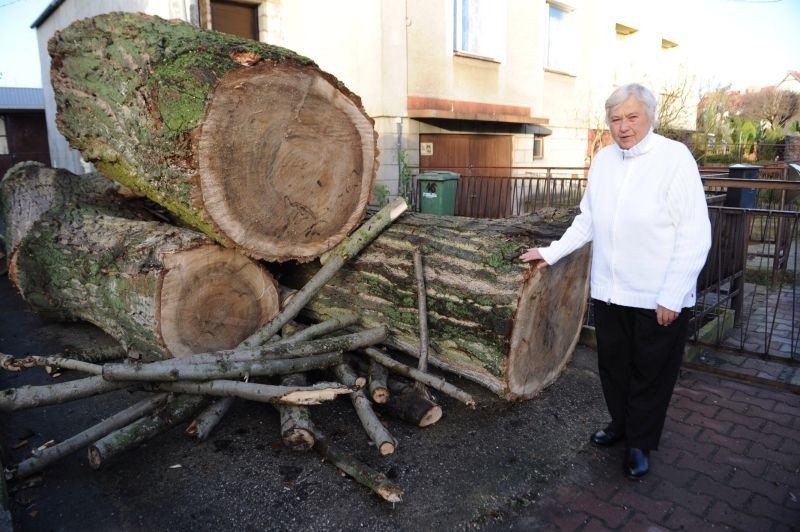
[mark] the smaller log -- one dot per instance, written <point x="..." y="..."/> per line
<point x="358" y="471"/>
<point x="422" y="306"/>
<point x="434" y="382"/>
<point x="378" y="389"/>
<point x="43" y="458"/>
<point x="297" y="429"/>
<point x="130" y="436"/>
<point x="266" y="393"/>
<point x="320" y="329"/>
<point x="205" y="371"/>
<point x="24" y="397"/>
<point x="205" y="422"/>
<point x="11" y="363"/>
<point x="271" y="351"/>
<point x="335" y="259"/>
<point x="379" y="435"/>
<point x="411" y="404"/>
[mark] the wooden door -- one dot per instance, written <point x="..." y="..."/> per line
<point x="236" y="18"/>
<point x="484" y="163"/>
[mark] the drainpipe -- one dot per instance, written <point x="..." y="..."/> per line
<point x="399" y="123"/>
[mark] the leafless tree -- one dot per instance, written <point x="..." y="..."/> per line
<point x="778" y="107"/>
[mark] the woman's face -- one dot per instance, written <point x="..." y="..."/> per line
<point x="629" y="123"/>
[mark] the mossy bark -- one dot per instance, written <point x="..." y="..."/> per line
<point x="251" y="144"/>
<point x="159" y="290"/>
<point x="491" y="318"/>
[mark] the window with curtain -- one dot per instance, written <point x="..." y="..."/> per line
<point x="561" y="38"/>
<point x="480" y="28"/>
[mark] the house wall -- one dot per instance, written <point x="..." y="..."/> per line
<point x="388" y="51"/>
<point x="69" y="11"/>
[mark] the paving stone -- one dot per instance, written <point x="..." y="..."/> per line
<point x="706" y="485"/>
<point x="769" y="440"/>
<point x="611" y="515"/>
<point x="738" y="460"/>
<point x="724" y="513"/>
<point x="774" y="490"/>
<point x="684" y="520"/>
<point x="655" y="510"/>
<point x="761" y="506"/>
<point x="719" y="426"/>
<point x="695" y="503"/>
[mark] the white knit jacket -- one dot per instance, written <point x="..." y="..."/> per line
<point x="645" y="212"/>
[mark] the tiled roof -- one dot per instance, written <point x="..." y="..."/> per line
<point x="13" y="99"/>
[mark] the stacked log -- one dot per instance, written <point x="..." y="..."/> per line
<point x="84" y="253"/>
<point x="256" y="154"/>
<point x="493" y="319"/>
<point x="249" y="143"/>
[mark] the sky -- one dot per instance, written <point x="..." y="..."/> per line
<point x="748" y="43"/>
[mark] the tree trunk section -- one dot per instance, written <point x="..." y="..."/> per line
<point x="161" y="291"/>
<point x="249" y="143"/>
<point x="29" y="189"/>
<point x="495" y="320"/>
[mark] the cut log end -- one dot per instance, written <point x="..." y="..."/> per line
<point x="386" y="448"/>
<point x="538" y="354"/>
<point x="95" y="460"/>
<point x="213" y="298"/>
<point x="380" y="395"/>
<point x="310" y="161"/>
<point x="391" y="493"/>
<point x="298" y="439"/>
<point x="432" y="416"/>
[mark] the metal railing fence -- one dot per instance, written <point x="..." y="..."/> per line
<point x="747" y="292"/>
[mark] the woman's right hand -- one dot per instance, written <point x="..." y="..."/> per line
<point x="533" y="254"/>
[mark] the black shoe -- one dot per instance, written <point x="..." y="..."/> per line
<point x="607" y="437"/>
<point x="637" y="462"/>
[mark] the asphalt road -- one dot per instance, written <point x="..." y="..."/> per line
<point x="473" y="470"/>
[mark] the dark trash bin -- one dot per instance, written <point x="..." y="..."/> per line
<point x="744" y="198"/>
<point x="437" y="192"/>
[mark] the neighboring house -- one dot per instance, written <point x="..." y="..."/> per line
<point x="459" y="84"/>
<point x="791" y="82"/>
<point x="23" y="130"/>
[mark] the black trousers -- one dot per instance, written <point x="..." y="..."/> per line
<point x="638" y="362"/>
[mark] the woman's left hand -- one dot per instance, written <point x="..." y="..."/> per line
<point x="665" y="316"/>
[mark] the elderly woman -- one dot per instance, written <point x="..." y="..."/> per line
<point x="644" y="211"/>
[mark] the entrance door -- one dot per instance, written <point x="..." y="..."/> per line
<point x="237" y="18"/>
<point x="484" y="163"/>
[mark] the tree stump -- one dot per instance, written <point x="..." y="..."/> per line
<point x="160" y="290"/>
<point x="493" y="319"/>
<point x="249" y="143"/>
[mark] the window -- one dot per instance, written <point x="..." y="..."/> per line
<point x="629" y="53"/>
<point x="480" y="28"/>
<point x="538" y="148"/>
<point x="3" y="136"/>
<point x="561" y="38"/>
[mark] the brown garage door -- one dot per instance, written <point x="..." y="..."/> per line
<point x="483" y="161"/>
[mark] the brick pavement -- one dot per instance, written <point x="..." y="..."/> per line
<point x="729" y="460"/>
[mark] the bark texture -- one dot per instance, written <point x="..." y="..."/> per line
<point x="250" y="143"/>
<point x="493" y="319"/>
<point x="160" y="290"/>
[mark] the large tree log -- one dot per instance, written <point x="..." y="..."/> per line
<point x="159" y="290"/>
<point x="493" y="319"/>
<point x="250" y="143"/>
<point x="29" y="189"/>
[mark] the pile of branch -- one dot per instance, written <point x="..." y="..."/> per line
<point x="282" y="353"/>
